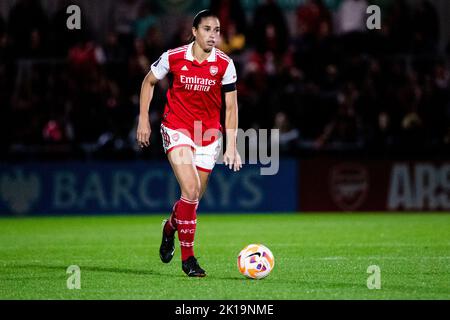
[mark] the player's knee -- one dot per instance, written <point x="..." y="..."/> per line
<point x="192" y="191"/>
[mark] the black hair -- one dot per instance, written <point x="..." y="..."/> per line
<point x="198" y="18"/>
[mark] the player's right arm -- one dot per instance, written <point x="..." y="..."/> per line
<point x="159" y="70"/>
<point x="144" y="130"/>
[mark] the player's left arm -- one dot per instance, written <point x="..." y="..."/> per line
<point x="232" y="159"/>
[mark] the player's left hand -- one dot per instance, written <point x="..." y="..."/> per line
<point x="232" y="159"/>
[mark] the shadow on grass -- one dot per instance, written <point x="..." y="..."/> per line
<point x="118" y="270"/>
<point x="214" y="277"/>
<point x="83" y="268"/>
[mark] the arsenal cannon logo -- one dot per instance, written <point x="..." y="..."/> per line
<point x="349" y="185"/>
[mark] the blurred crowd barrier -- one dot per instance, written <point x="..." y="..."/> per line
<point x="320" y="184"/>
<point x="352" y="184"/>
<point x="137" y="188"/>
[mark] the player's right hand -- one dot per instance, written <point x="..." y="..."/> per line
<point x="143" y="133"/>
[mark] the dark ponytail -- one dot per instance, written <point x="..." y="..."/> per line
<point x="198" y="18"/>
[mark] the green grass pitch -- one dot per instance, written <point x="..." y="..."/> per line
<point x="317" y="256"/>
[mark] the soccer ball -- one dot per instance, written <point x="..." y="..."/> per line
<point x="255" y="261"/>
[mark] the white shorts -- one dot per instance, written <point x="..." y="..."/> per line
<point x="204" y="157"/>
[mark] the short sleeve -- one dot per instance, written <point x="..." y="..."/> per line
<point x="230" y="74"/>
<point x="160" y="68"/>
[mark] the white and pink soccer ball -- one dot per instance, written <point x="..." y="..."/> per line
<point x="255" y="261"/>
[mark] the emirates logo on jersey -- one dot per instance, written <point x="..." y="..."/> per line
<point x="197" y="83"/>
<point x="213" y="70"/>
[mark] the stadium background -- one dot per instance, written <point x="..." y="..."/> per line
<point x="366" y="113"/>
<point x="364" y="120"/>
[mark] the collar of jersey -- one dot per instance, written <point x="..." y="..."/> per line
<point x="190" y="57"/>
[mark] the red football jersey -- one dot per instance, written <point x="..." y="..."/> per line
<point x="195" y="94"/>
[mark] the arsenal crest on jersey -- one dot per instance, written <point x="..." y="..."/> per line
<point x="175" y="137"/>
<point x="213" y="70"/>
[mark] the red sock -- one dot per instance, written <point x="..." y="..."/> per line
<point x="171" y="226"/>
<point x="186" y="219"/>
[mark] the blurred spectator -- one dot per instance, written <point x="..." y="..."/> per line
<point x="412" y="133"/>
<point x="426" y="28"/>
<point x="36" y="49"/>
<point x="2" y="26"/>
<point x="145" y="20"/>
<point x="182" y="34"/>
<point x="153" y="43"/>
<point x="441" y="75"/>
<point x="384" y="136"/>
<point x="3" y="40"/>
<point x="447" y="49"/>
<point x="5" y="52"/>
<point x="315" y="52"/>
<point x="399" y="25"/>
<point x="139" y="63"/>
<point x="345" y="128"/>
<point x="270" y="30"/>
<point x="234" y="42"/>
<point x="230" y="11"/>
<point x="28" y="26"/>
<point x="233" y="24"/>
<point x="434" y="104"/>
<point x="253" y="91"/>
<point x="447" y="138"/>
<point x="26" y="111"/>
<point x="313" y="17"/>
<point x="289" y="136"/>
<point x="113" y="50"/>
<point x="123" y="17"/>
<point x="53" y="131"/>
<point x="84" y="57"/>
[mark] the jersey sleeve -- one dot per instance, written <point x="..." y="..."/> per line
<point x="230" y="74"/>
<point x="160" y="68"/>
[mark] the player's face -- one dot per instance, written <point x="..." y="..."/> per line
<point x="208" y="33"/>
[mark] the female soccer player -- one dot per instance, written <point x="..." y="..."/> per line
<point x="191" y="129"/>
